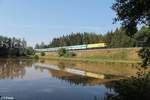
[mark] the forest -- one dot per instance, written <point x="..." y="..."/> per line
<point x="113" y="39"/>
<point x="13" y="47"/>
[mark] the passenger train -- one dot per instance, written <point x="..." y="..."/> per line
<point x="75" y="47"/>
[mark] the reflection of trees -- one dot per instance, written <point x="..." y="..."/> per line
<point x="134" y="88"/>
<point x="13" y="68"/>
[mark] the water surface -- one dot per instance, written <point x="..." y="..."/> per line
<point x="33" y="80"/>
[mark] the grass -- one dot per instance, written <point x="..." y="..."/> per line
<point x="90" y="60"/>
<point x="122" y="55"/>
<point x="111" y="54"/>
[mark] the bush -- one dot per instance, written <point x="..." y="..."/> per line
<point x="62" y="52"/>
<point x="43" y="54"/>
<point x="30" y="51"/>
<point x="70" y="54"/>
<point x="65" y="53"/>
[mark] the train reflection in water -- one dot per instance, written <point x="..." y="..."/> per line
<point x="73" y="71"/>
<point x="76" y="76"/>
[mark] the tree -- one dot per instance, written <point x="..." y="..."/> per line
<point x="76" y="39"/>
<point x="132" y="13"/>
<point x="118" y="39"/>
<point x="13" y="47"/>
<point x="62" y="52"/>
<point x="30" y="51"/>
<point x="41" y="45"/>
<point x="143" y="40"/>
<point x="43" y="54"/>
<point x="37" y="46"/>
<point x="143" y="37"/>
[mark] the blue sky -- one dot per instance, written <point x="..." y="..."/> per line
<point x="42" y="20"/>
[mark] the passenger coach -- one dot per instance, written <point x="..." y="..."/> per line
<point x="76" y="47"/>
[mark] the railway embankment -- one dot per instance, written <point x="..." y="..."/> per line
<point x="115" y="55"/>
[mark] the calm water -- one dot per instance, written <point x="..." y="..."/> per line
<point x="31" y="80"/>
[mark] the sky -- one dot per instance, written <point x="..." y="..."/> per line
<point x="42" y="20"/>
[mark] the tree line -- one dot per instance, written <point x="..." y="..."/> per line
<point x="13" y="47"/>
<point x="113" y="39"/>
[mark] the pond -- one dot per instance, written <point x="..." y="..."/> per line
<point x="53" y="80"/>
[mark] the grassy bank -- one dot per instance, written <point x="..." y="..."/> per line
<point x="118" y="55"/>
